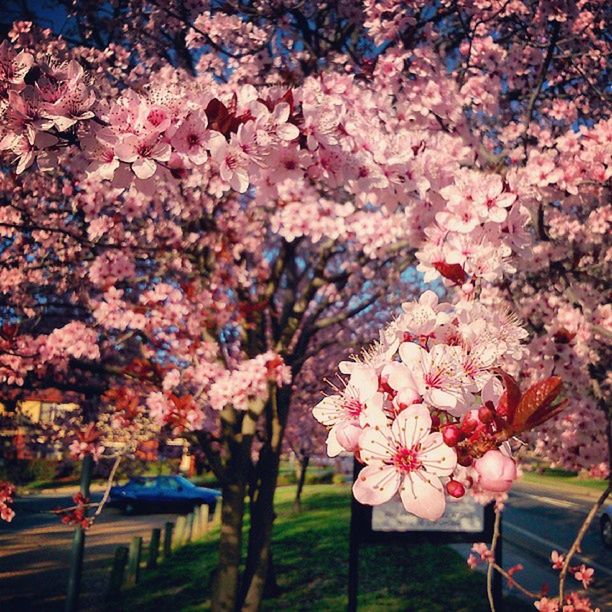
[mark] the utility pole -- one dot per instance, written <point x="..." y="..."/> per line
<point x="78" y="543"/>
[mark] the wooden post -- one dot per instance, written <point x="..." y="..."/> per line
<point x="189" y="528"/>
<point x="168" y="529"/>
<point x="78" y="543"/>
<point x="353" y="572"/>
<point x="204" y="518"/>
<point x="134" y="560"/>
<point x="179" y="532"/>
<point x="117" y="573"/>
<point x="153" y="548"/>
<point x="196" y="531"/>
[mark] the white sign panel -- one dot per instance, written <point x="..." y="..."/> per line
<point x="463" y="515"/>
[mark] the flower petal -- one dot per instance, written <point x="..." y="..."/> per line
<point x="365" y="381"/>
<point x="376" y="484"/>
<point x="328" y="410"/>
<point x="373" y="413"/>
<point x="376" y="444"/>
<point x="144" y="168"/>
<point x="436" y="457"/>
<point x="413" y="355"/>
<point x="412" y="425"/>
<point x="334" y="448"/>
<point x="423" y="495"/>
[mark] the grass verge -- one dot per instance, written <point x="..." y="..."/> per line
<point x="311" y="559"/>
<point x="562" y="478"/>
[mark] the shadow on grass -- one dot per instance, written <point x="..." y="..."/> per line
<point x="311" y="558"/>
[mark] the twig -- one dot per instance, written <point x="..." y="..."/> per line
<point x="492" y="560"/>
<point x="71" y="508"/>
<point x="576" y="545"/>
<point x="109" y="484"/>
<point x="540" y="80"/>
<point x="514" y="583"/>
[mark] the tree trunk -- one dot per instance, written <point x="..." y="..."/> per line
<point x="225" y="590"/>
<point x="238" y="434"/>
<point x="303" y="466"/>
<point x="262" y="504"/>
<point x="260" y="533"/>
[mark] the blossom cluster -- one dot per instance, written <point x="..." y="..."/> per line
<point x="572" y="601"/>
<point x="86" y="442"/>
<point x="429" y="409"/>
<point x="7" y="491"/>
<point x="249" y="381"/>
<point x="76" y="515"/>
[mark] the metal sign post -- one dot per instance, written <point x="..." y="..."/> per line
<point x="389" y="523"/>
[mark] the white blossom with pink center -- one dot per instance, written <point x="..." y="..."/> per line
<point x="409" y="458"/>
<point x="437" y="374"/>
<point x="346" y="413"/>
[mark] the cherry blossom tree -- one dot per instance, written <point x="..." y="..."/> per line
<point x="199" y="191"/>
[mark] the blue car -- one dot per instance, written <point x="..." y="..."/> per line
<point x="162" y="494"/>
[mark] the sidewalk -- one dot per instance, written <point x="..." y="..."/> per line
<point x="63" y="491"/>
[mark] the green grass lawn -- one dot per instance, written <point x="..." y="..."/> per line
<point x="561" y="478"/>
<point x="311" y="558"/>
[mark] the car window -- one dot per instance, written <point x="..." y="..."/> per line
<point x="185" y="483"/>
<point x="168" y="483"/>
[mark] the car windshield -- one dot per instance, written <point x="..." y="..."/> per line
<point x="185" y="483"/>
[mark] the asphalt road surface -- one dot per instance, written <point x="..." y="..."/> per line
<point x="34" y="548"/>
<point x="539" y="519"/>
<point x="35" y="553"/>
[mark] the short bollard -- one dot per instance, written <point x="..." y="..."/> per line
<point x="168" y="529"/>
<point x="195" y="530"/>
<point x="153" y="548"/>
<point x="117" y="573"/>
<point x="189" y="528"/>
<point x="203" y="519"/>
<point x="195" y="527"/>
<point x="179" y="532"/>
<point x="134" y="561"/>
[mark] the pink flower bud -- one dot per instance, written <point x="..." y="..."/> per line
<point x="452" y="435"/>
<point x="496" y="470"/>
<point x="455" y="489"/>
<point x="486" y="415"/>
<point x="347" y="434"/>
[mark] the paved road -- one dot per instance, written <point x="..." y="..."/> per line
<point x="538" y="520"/>
<point x="34" y="548"/>
<point x="34" y="554"/>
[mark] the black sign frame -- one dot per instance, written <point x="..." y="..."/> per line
<point x="361" y="533"/>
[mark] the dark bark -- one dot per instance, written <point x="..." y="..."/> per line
<point x="238" y="432"/>
<point x="225" y="590"/>
<point x="303" y="466"/>
<point x="262" y="504"/>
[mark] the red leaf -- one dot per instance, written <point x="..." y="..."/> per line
<point x="453" y="272"/>
<point x="510" y="398"/>
<point x="537" y="404"/>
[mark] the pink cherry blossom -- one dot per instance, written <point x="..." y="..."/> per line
<point x="407" y="458"/>
<point x="191" y="138"/>
<point x="347" y="413"/>
<point x="584" y="574"/>
<point x="436" y="374"/>
<point x="142" y="154"/>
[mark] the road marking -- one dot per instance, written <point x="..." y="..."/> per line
<point x="553" y="546"/>
<point x="552" y="501"/>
